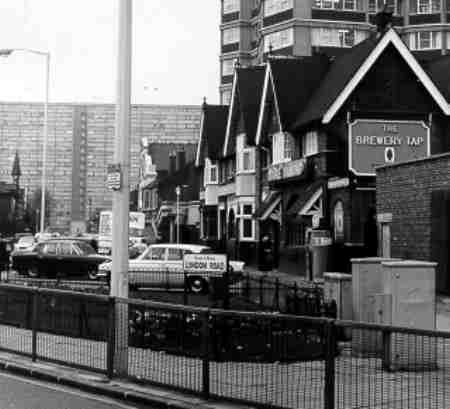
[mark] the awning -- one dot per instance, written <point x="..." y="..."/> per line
<point x="268" y="206"/>
<point x="307" y="202"/>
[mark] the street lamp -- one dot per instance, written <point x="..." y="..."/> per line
<point x="178" y="193"/>
<point x="6" y="53"/>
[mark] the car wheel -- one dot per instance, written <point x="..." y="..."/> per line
<point x="92" y="273"/>
<point x="33" y="272"/>
<point x="197" y="285"/>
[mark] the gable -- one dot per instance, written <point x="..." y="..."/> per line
<point x="390" y="84"/>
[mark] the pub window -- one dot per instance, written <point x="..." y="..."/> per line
<point x="310" y="143"/>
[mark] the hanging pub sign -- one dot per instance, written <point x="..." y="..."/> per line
<point x="375" y="143"/>
<point x="114" y="177"/>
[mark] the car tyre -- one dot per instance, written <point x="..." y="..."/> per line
<point x="32" y="272"/>
<point x="197" y="285"/>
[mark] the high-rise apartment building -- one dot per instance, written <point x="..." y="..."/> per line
<point x="250" y="29"/>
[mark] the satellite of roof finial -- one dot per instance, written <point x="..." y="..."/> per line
<point x="270" y="49"/>
<point x="237" y="63"/>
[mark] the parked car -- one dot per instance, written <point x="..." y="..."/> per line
<point x="64" y="256"/>
<point x="24" y="243"/>
<point x="162" y="265"/>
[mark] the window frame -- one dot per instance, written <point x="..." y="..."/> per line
<point x="234" y="35"/>
<point x="246" y="217"/>
<point x="310" y="144"/>
<point x="273" y="7"/>
<point x="233" y="6"/>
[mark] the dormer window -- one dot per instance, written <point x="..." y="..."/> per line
<point x="283" y="147"/>
<point x="211" y="173"/>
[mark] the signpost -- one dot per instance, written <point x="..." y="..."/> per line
<point x="215" y="266"/>
<point x="375" y="143"/>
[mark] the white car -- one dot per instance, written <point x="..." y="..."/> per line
<point x="162" y="265"/>
<point x="24" y="243"/>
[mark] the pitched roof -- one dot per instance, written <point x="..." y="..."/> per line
<point x="340" y="72"/>
<point x="212" y="132"/>
<point x="439" y="70"/>
<point x="245" y="103"/>
<point x="294" y="81"/>
<point x="347" y="71"/>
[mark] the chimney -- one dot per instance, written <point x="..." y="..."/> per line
<point x="181" y="160"/>
<point x="172" y="163"/>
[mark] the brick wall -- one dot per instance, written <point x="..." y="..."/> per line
<point x="405" y="191"/>
<point x="21" y="130"/>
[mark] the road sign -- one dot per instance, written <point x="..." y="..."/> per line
<point x="216" y="263"/>
<point x="114" y="177"/>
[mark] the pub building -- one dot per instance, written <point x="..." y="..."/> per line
<point x="328" y="123"/>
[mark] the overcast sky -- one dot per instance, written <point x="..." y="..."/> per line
<point x="175" y="50"/>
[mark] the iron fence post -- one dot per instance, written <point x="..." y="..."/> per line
<point x="35" y="325"/>
<point x="205" y="361"/>
<point x="277" y="294"/>
<point x="110" y="341"/>
<point x="185" y="288"/>
<point x="330" y="354"/>
<point x="261" y="295"/>
<point x="386" y="335"/>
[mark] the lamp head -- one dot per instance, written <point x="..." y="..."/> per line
<point x="6" y="52"/>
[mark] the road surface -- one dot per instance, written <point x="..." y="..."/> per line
<point x="24" y="393"/>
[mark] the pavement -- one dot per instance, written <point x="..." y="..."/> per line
<point x="116" y="388"/>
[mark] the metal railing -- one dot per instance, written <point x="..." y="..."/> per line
<point x="269" y="359"/>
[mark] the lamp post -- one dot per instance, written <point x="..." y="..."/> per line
<point x="6" y="53"/>
<point x="178" y="193"/>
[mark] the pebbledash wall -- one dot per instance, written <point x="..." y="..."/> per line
<point x="80" y="146"/>
<point x="417" y="195"/>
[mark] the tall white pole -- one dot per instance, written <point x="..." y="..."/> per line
<point x="121" y="197"/>
<point x="44" y="142"/>
<point x="178" y="192"/>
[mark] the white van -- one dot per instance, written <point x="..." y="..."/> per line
<point x="161" y="265"/>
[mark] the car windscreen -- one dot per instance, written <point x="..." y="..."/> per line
<point x="85" y="248"/>
<point x="26" y="240"/>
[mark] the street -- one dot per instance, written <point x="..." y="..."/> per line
<point x="24" y="393"/>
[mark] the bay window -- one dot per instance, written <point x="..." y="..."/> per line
<point x="246" y="222"/>
<point x="283" y="147"/>
<point x="310" y="143"/>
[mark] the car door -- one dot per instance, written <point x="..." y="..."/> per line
<point x="150" y="268"/>
<point x="47" y="257"/>
<point x="66" y="258"/>
<point x="175" y="266"/>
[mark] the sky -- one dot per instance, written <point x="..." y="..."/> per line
<point x="175" y="50"/>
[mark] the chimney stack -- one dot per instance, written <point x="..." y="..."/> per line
<point x="172" y="163"/>
<point x="181" y="160"/>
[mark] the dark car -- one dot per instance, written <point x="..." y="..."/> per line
<point x="58" y="257"/>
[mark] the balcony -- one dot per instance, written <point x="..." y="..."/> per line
<point x="293" y="169"/>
